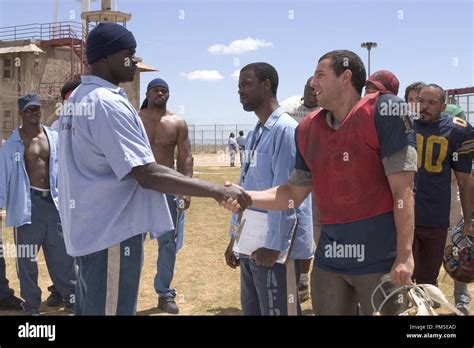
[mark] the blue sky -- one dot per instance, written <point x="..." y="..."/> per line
<point x="431" y="41"/>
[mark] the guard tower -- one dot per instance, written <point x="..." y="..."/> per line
<point x="106" y="14"/>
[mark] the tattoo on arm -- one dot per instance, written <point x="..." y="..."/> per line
<point x="300" y="178"/>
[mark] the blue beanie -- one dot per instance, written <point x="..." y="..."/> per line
<point x="108" y="38"/>
<point x="157" y="82"/>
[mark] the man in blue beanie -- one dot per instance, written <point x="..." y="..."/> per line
<point x="108" y="180"/>
<point x="166" y="132"/>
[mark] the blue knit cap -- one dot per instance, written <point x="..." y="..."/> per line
<point x="108" y="38"/>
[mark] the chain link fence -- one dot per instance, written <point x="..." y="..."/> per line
<point x="214" y="137"/>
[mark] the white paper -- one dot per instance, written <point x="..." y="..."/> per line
<point x="253" y="233"/>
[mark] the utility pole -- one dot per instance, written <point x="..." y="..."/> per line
<point x="369" y="46"/>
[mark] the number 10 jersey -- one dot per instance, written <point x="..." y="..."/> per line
<point x="443" y="145"/>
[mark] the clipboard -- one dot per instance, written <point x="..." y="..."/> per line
<point x="252" y="231"/>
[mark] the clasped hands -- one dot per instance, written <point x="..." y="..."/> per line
<point x="236" y="199"/>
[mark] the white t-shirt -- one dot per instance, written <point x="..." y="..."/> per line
<point x="295" y="108"/>
<point x="233" y="144"/>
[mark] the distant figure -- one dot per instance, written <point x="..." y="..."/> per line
<point x="299" y="106"/>
<point x="453" y="110"/>
<point x="412" y="91"/>
<point x="66" y="91"/>
<point x="233" y="147"/>
<point x="241" y="143"/>
<point x="383" y="81"/>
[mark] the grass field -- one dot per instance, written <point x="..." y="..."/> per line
<point x="204" y="283"/>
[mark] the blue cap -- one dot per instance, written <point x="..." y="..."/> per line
<point x="28" y="100"/>
<point x="157" y="82"/>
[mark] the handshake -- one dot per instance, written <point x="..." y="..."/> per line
<point x="233" y="197"/>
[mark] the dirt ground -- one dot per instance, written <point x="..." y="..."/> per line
<point x="204" y="283"/>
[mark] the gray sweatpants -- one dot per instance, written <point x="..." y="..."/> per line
<point x="44" y="231"/>
<point x="338" y="294"/>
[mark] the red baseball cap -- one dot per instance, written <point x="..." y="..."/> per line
<point x="384" y="81"/>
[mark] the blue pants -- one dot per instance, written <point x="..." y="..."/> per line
<point x="168" y="245"/>
<point x="108" y="280"/>
<point x="5" y="290"/>
<point x="266" y="291"/>
<point x="44" y="231"/>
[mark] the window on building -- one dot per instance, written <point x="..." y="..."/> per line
<point x="7" y="120"/>
<point x="7" y="68"/>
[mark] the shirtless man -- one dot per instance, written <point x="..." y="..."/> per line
<point x="167" y="131"/>
<point x="28" y="188"/>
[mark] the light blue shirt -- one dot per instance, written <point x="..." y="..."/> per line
<point x="101" y="139"/>
<point x="14" y="180"/>
<point x="274" y="160"/>
<point x="241" y="140"/>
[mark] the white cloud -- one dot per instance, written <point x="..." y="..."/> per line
<point x="235" y="75"/>
<point x="206" y="75"/>
<point x="239" y="46"/>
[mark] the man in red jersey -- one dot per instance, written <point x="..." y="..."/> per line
<point x="356" y="155"/>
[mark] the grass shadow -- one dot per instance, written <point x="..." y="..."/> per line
<point x="225" y="311"/>
<point x="152" y="311"/>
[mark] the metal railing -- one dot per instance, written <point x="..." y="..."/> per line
<point x="43" y="31"/>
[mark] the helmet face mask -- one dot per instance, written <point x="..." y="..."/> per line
<point x="389" y="299"/>
<point x="458" y="260"/>
<point x="412" y="300"/>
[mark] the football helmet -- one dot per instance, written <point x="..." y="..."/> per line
<point x="458" y="260"/>
<point x="413" y="299"/>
